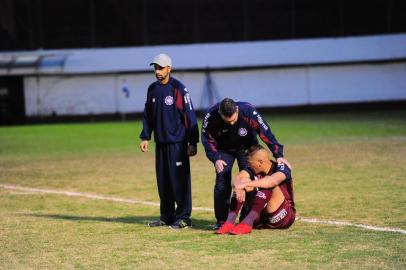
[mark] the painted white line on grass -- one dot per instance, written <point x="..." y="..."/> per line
<point x="345" y="223"/>
<point x="116" y="199"/>
<point x="90" y="196"/>
<point x="21" y="193"/>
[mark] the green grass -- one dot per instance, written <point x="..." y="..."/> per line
<point x="347" y="166"/>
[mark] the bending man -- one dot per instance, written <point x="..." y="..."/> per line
<point x="229" y="128"/>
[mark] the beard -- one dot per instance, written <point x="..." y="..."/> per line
<point x="160" y="77"/>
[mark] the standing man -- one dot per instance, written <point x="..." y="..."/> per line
<point x="229" y="128"/>
<point x="169" y="114"/>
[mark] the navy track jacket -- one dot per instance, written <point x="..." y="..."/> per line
<point x="220" y="136"/>
<point x="169" y="113"/>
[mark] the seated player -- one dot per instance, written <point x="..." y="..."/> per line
<point x="271" y="185"/>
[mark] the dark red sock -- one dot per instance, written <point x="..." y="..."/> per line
<point x="235" y="207"/>
<point x="260" y="200"/>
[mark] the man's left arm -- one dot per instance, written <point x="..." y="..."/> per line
<point x="190" y="122"/>
<point x="265" y="133"/>
<point x="269" y="181"/>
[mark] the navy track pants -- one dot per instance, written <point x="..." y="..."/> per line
<point x="174" y="182"/>
<point x="222" y="188"/>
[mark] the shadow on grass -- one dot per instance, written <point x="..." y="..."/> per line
<point x="198" y="224"/>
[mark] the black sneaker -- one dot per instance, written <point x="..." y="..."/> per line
<point x="217" y="225"/>
<point x="180" y="224"/>
<point x="157" y="223"/>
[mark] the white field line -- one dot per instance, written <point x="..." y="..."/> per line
<point x="90" y="196"/>
<point x="345" y="223"/>
<point x="116" y="199"/>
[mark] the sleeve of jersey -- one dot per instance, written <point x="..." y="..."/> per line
<point x="209" y="143"/>
<point x="283" y="168"/>
<point x="184" y="104"/>
<point x="250" y="172"/>
<point x="265" y="133"/>
<point x="147" y="125"/>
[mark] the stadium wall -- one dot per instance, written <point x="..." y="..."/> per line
<point x="267" y="74"/>
<point x="276" y="87"/>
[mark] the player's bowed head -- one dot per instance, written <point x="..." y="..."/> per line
<point x="258" y="161"/>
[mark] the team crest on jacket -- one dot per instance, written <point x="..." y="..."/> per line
<point x="242" y="132"/>
<point x="169" y="100"/>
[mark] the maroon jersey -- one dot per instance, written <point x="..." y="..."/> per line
<point x="285" y="215"/>
<point x="286" y="185"/>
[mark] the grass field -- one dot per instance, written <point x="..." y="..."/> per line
<point x="347" y="167"/>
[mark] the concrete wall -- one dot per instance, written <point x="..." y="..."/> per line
<point x="283" y="86"/>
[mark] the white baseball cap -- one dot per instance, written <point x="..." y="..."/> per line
<point x="162" y="60"/>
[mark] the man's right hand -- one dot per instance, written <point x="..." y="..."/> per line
<point x="219" y="165"/>
<point x="240" y="194"/>
<point x="144" y="146"/>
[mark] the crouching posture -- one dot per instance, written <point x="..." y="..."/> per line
<point x="266" y="189"/>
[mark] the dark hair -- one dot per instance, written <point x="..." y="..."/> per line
<point x="253" y="149"/>
<point x="227" y="107"/>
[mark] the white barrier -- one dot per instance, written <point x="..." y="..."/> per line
<point x="96" y="94"/>
<point x="265" y="73"/>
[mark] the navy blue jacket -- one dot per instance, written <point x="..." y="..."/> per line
<point x="218" y="136"/>
<point x="169" y="113"/>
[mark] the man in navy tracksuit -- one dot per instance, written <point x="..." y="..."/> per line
<point x="169" y="113"/>
<point x="229" y="128"/>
